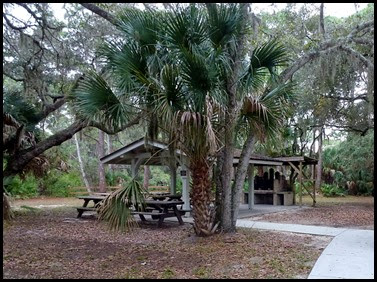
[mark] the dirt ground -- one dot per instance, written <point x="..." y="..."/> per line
<point x="349" y="211"/>
<point x="52" y="243"/>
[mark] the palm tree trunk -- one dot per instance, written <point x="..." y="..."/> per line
<point x="85" y="179"/>
<point x="201" y="198"/>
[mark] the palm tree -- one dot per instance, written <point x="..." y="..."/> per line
<point x="171" y="66"/>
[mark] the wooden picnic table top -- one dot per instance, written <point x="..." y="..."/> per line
<point x="164" y="203"/>
<point x="92" y="197"/>
<point x="169" y="196"/>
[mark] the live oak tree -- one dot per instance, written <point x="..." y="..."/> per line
<point x="333" y="62"/>
<point x="43" y="59"/>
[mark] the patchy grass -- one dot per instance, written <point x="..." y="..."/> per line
<point x="330" y="201"/>
<point x="349" y="211"/>
<point x="53" y="244"/>
<point x="45" y="202"/>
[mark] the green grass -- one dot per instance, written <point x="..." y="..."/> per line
<point x="201" y="272"/>
<point x="168" y="273"/>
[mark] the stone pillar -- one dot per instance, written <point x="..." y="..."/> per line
<point x="250" y="178"/>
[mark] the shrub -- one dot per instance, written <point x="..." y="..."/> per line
<point x="58" y="184"/>
<point x="351" y="160"/>
<point x="330" y="190"/>
<point x="23" y="188"/>
<point x="307" y="184"/>
<point x="112" y="177"/>
<point x="365" y="188"/>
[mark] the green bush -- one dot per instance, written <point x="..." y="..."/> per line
<point x="365" y="188"/>
<point x="23" y="188"/>
<point x="307" y="184"/>
<point x="329" y="190"/>
<point x="351" y="160"/>
<point x="57" y="183"/>
<point x="112" y="177"/>
<point x="179" y="185"/>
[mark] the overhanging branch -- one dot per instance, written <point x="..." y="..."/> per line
<point x="100" y="12"/>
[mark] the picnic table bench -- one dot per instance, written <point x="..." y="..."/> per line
<point x="161" y="209"/>
<point x="95" y="198"/>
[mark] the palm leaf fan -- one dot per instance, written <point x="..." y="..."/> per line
<point x="116" y="208"/>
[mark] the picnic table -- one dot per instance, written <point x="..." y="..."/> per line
<point x="170" y="197"/>
<point x="161" y="209"/>
<point x="157" y="209"/>
<point x="95" y="198"/>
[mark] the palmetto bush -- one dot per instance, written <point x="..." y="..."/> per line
<point x="116" y="208"/>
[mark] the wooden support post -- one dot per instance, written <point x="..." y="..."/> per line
<point x="173" y="180"/>
<point x="133" y="168"/>
<point x="291" y="184"/>
<point x="251" y="187"/>
<point x="300" y="175"/>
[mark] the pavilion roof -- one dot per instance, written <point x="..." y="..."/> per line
<point x="152" y="152"/>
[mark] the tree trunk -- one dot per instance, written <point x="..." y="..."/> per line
<point x="226" y="178"/>
<point x="319" y="165"/>
<point x="101" y="167"/>
<point x="219" y="192"/>
<point x="147" y="175"/>
<point x="230" y="122"/>
<point x="7" y="212"/>
<point x="83" y="175"/>
<point x="239" y="178"/>
<point x="201" y="198"/>
<point x="109" y="142"/>
<point x="18" y="161"/>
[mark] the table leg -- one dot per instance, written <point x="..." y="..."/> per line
<point x="160" y="221"/>
<point x="178" y="215"/>
<point x="80" y="214"/>
<point x="84" y="205"/>
<point x="142" y="217"/>
<point x="86" y="202"/>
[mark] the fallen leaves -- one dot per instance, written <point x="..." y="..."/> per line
<point x="48" y="245"/>
<point x="345" y="213"/>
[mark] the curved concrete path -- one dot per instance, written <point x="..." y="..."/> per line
<point x="350" y="254"/>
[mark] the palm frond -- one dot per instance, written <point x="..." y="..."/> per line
<point x="185" y="28"/>
<point x="142" y="27"/>
<point x="94" y="100"/>
<point x="270" y="55"/>
<point x="266" y="113"/>
<point x="225" y="23"/>
<point x="116" y="208"/>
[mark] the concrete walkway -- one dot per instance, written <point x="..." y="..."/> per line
<point x="350" y="255"/>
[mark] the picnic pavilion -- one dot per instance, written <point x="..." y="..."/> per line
<point x="270" y="186"/>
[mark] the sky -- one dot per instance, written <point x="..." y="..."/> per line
<point x="333" y="9"/>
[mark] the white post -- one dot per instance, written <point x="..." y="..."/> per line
<point x="185" y="174"/>
<point x="133" y="170"/>
<point x="251" y="187"/>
